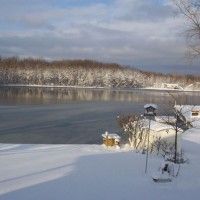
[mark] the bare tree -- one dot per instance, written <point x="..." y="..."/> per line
<point x="163" y="147"/>
<point x="190" y="9"/>
<point x="174" y="115"/>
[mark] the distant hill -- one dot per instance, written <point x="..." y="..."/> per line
<point x="83" y="73"/>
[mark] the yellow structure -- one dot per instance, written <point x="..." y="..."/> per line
<point x="111" y="139"/>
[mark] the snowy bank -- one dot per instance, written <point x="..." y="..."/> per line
<point x="67" y="172"/>
<point x="99" y="87"/>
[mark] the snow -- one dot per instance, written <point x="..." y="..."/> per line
<point x="165" y="119"/>
<point x="111" y="135"/>
<point x="158" y="126"/>
<point x="30" y="172"/>
<point x="162" y="177"/>
<point x="65" y="172"/>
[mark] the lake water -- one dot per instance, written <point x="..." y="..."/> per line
<point x="73" y="116"/>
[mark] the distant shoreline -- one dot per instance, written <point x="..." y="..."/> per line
<point x="100" y="88"/>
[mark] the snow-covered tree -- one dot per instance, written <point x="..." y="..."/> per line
<point x="82" y="73"/>
<point x="132" y="125"/>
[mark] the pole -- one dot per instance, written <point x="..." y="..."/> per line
<point x="147" y="155"/>
<point x="176" y="135"/>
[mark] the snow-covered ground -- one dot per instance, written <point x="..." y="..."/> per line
<point x="73" y="172"/>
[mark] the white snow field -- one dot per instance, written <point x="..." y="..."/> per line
<point x="91" y="172"/>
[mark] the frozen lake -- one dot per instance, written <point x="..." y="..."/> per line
<point x="72" y="116"/>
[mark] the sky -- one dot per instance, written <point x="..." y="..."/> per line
<point x="145" y="34"/>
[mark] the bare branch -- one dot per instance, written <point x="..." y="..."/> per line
<point x="190" y="9"/>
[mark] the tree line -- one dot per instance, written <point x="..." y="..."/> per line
<point x="83" y="73"/>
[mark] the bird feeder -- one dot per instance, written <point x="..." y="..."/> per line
<point x="150" y="109"/>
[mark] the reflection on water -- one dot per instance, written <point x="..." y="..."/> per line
<point x="33" y="95"/>
<point x="72" y="116"/>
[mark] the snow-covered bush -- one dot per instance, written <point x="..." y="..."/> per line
<point x="132" y="125"/>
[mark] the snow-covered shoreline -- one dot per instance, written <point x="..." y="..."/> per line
<point x="63" y="172"/>
<point x="96" y="87"/>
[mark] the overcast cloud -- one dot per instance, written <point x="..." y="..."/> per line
<point x="140" y="33"/>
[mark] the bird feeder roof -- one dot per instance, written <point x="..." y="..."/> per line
<point x="151" y="105"/>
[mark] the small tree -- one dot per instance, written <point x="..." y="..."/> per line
<point x="163" y="148"/>
<point x="175" y="109"/>
<point x="133" y="125"/>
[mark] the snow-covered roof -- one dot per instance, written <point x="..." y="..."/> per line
<point x="111" y="136"/>
<point x="187" y="108"/>
<point x="157" y="126"/>
<point x="165" y="119"/>
<point x="186" y="111"/>
<point x="151" y="105"/>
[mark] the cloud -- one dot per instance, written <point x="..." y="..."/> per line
<point x="131" y="32"/>
<point x="142" y="10"/>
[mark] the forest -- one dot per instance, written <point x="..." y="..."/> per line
<point x="84" y="73"/>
